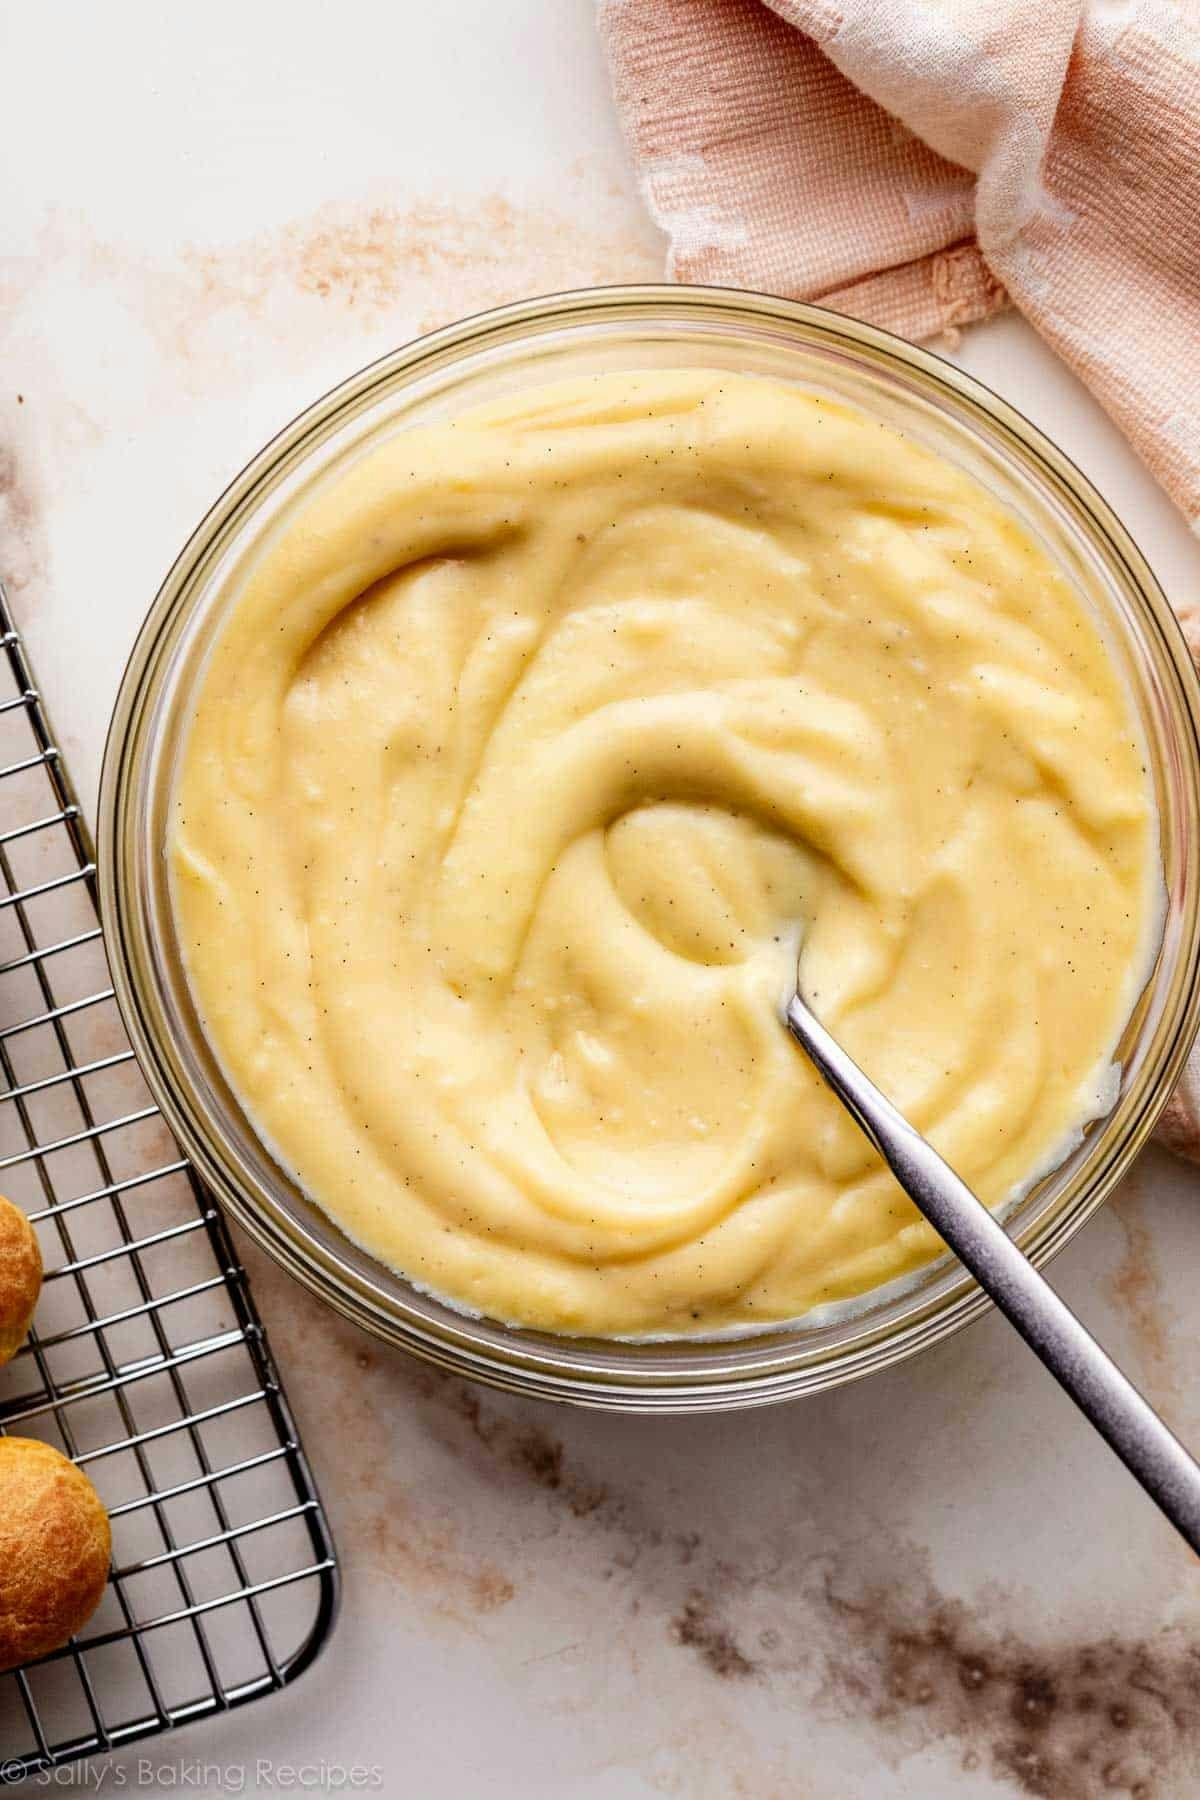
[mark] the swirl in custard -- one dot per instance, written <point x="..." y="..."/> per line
<point x="532" y="748"/>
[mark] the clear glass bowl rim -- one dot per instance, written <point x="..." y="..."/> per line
<point x="529" y="1362"/>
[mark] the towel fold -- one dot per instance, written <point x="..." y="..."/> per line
<point x="920" y="164"/>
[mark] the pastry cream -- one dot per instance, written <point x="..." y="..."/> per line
<point x="532" y="748"/>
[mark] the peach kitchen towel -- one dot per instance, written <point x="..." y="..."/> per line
<point x="923" y="163"/>
<point x="919" y="163"/>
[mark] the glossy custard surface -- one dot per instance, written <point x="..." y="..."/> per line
<point x="531" y="748"/>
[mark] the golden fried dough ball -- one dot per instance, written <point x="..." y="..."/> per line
<point x="20" y="1277"/>
<point x="55" y="1546"/>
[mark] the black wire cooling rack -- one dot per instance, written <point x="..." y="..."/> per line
<point x="148" y="1364"/>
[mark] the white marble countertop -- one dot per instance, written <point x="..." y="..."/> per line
<point x="936" y="1582"/>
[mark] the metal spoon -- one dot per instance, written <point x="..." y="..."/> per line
<point x="1123" y="1418"/>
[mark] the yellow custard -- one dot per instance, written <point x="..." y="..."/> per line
<point x="531" y="748"/>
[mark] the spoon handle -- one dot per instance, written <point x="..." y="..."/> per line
<point x="1149" y="1450"/>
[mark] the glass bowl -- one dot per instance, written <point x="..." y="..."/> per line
<point x="480" y="360"/>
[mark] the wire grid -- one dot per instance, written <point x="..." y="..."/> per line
<point x="148" y="1364"/>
